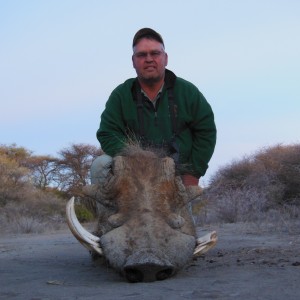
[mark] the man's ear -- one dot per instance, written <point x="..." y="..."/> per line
<point x="133" y="64"/>
<point x="167" y="58"/>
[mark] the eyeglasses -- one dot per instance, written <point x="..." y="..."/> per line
<point x="144" y="55"/>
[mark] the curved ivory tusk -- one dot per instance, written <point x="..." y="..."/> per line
<point x="205" y="243"/>
<point x="87" y="239"/>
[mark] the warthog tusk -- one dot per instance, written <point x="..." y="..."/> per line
<point x="205" y="243"/>
<point x="87" y="239"/>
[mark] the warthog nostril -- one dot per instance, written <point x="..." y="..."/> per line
<point x="147" y="273"/>
<point x="164" y="274"/>
<point x="133" y="275"/>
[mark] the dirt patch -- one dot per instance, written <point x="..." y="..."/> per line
<point x="244" y="265"/>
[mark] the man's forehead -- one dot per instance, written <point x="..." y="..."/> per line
<point x="148" y="44"/>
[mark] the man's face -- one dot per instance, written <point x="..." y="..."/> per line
<point x="149" y="60"/>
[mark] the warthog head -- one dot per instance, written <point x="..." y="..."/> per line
<point x="145" y="229"/>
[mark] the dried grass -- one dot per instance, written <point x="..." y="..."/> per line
<point x="262" y="190"/>
<point x="42" y="212"/>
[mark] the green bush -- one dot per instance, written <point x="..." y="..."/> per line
<point x="83" y="214"/>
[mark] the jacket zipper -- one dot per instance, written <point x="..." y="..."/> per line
<point x="155" y="118"/>
<point x="154" y="108"/>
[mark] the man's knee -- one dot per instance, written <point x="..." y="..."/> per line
<point x="100" y="168"/>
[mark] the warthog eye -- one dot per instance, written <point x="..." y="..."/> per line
<point x="116" y="220"/>
<point x="175" y="221"/>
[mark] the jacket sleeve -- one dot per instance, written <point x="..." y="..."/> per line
<point x="204" y="134"/>
<point x="112" y="131"/>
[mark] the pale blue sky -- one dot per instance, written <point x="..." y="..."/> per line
<point x="60" y="60"/>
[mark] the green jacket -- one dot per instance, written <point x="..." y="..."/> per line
<point x="195" y="122"/>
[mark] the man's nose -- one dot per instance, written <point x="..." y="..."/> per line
<point x="149" y="57"/>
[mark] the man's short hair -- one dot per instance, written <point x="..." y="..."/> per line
<point x="147" y="33"/>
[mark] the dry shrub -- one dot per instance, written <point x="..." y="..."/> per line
<point x="262" y="188"/>
<point x="284" y="163"/>
<point x="13" y="180"/>
<point x="37" y="212"/>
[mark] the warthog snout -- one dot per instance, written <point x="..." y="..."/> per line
<point x="145" y="267"/>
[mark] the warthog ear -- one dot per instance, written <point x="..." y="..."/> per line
<point x="90" y="191"/>
<point x="186" y="194"/>
<point x="193" y="192"/>
<point x="118" y="163"/>
<point x="98" y="193"/>
<point x="168" y="167"/>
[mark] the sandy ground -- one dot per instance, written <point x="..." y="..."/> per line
<point x="244" y="265"/>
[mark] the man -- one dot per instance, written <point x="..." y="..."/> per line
<point x="159" y="110"/>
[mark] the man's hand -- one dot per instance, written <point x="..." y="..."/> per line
<point x="189" y="180"/>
